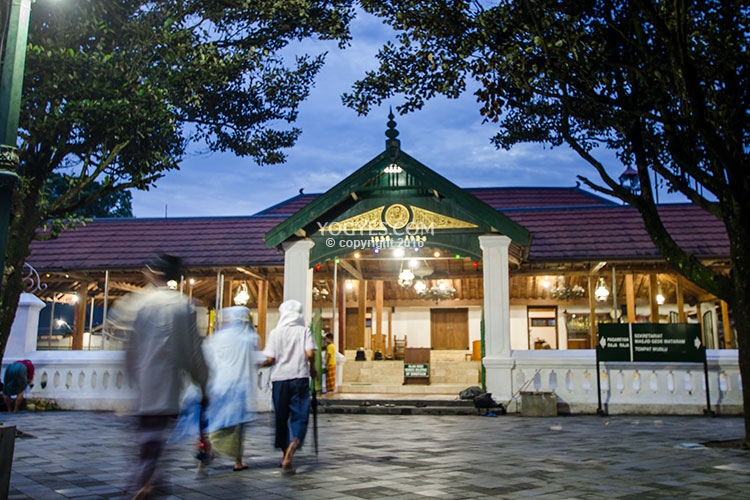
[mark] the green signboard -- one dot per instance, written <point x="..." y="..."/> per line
<point x="416" y="370"/>
<point x="650" y="342"/>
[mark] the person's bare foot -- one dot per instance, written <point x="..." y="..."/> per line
<point x="238" y="465"/>
<point x="286" y="464"/>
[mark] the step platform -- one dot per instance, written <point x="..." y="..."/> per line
<point x="395" y="404"/>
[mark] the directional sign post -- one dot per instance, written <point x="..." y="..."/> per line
<point x="651" y="342"/>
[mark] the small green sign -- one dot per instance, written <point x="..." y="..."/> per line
<point x="650" y="342"/>
<point x="416" y="370"/>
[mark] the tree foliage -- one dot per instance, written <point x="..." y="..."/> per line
<point x="116" y="204"/>
<point x="116" y="90"/>
<point x="663" y="84"/>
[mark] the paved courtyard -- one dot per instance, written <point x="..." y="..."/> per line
<point x="89" y="455"/>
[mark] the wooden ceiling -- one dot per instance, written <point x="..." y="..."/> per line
<point x="527" y="285"/>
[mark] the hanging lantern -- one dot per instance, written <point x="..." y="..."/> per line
<point x="601" y="293"/>
<point x="242" y="296"/>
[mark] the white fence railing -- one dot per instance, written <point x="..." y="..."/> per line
<point x="97" y="380"/>
<point x="643" y="388"/>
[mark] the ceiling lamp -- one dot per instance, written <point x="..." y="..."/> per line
<point x="420" y="287"/>
<point x="320" y="292"/>
<point x="242" y="296"/>
<point x="398" y="252"/>
<point x="660" y="299"/>
<point x="438" y="292"/>
<point x="601" y="293"/>
<point x="405" y="277"/>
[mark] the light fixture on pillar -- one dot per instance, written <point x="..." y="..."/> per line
<point x="242" y="296"/>
<point x="601" y="293"/>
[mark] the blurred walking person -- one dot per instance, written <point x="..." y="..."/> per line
<point x="163" y="344"/>
<point x="229" y="354"/>
<point x="290" y="350"/>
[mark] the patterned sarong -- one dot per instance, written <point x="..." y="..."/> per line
<point x="330" y="378"/>
<point x="228" y="441"/>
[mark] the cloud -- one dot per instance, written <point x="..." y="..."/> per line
<point x="446" y="135"/>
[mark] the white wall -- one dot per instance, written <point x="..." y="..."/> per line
<point x="519" y="328"/>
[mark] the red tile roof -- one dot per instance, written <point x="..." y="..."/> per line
<point x="599" y="231"/>
<point x="617" y="233"/>
<point x="128" y="243"/>
<point x="499" y="198"/>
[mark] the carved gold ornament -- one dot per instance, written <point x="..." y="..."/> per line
<point x="372" y="220"/>
<point x="397" y="216"/>
<point x="425" y="219"/>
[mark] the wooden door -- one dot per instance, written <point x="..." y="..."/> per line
<point x="352" y="339"/>
<point x="449" y="328"/>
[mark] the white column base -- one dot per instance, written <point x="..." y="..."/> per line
<point x="499" y="378"/>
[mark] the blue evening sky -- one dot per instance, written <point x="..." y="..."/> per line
<point x="446" y="135"/>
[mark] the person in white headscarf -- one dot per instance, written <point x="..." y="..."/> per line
<point x="229" y="354"/>
<point x="290" y="350"/>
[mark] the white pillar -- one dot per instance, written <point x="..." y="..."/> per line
<point x="497" y="360"/>
<point x="298" y="275"/>
<point x="23" y="332"/>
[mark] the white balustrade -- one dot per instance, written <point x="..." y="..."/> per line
<point x="644" y="388"/>
<point x="97" y="380"/>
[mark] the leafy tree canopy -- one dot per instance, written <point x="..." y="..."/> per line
<point x="116" y="204"/>
<point x="666" y="85"/>
<point x="115" y="91"/>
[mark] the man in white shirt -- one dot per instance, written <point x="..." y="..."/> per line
<point x="290" y="350"/>
<point x="163" y="344"/>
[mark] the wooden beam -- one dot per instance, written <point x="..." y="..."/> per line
<point x="390" y="332"/>
<point x="361" y="312"/>
<point x="728" y="337"/>
<point x="630" y="297"/>
<point x="379" y="316"/>
<point x="79" y="316"/>
<point x="350" y="268"/>
<point x="250" y="273"/>
<point x="680" y="300"/>
<point x="653" y="289"/>
<point x="342" y="311"/>
<point x="432" y="304"/>
<point x="227" y="296"/>
<point x="592" y="312"/>
<point x="262" y="310"/>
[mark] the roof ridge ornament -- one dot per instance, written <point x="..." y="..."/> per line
<point x="392" y="145"/>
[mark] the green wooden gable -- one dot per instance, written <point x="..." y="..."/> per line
<point x="394" y="200"/>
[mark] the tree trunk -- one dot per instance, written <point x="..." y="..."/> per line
<point x="23" y="225"/>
